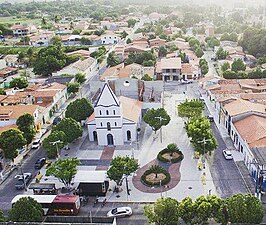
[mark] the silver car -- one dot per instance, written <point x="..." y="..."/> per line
<point x="227" y="154"/>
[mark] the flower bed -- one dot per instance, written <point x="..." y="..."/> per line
<point x="169" y="155"/>
<point x="155" y="176"/>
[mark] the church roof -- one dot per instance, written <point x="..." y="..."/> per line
<point x="107" y="97"/>
<point x="131" y="108"/>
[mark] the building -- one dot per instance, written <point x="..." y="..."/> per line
<point x="22" y="30"/>
<point x="110" y="39"/>
<point x="168" y="69"/>
<point x="115" y="120"/>
<point x="157" y="42"/>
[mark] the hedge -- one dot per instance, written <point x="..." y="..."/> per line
<point x="174" y="160"/>
<point x="148" y="183"/>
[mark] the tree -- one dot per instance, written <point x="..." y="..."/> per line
<point x="238" y="65"/>
<point x="212" y="42"/>
<point x="225" y="67"/>
<point x="198" y="51"/>
<point x="80" y="78"/>
<point x="2" y="216"/>
<point x="26" y="209"/>
<point x="131" y="22"/>
<point x="121" y="166"/>
<point x="203" y="210"/>
<point x="228" y="74"/>
<point x="70" y="127"/>
<point x="113" y="59"/>
<point x="244" y="208"/>
<point x="123" y="35"/>
<point x="129" y="41"/>
<point x="221" y="53"/>
<point x="152" y="117"/>
<point x="64" y="170"/>
<point x="73" y="87"/>
<point x="204" y="69"/>
<point x="198" y="129"/>
<point x="162" y="51"/>
<point x="10" y="141"/>
<point x="19" y="82"/>
<point x="85" y="41"/>
<point x="55" y="40"/>
<point x="2" y="91"/>
<point x="49" y="60"/>
<point x="146" y="77"/>
<point x="79" y="109"/>
<point x="186" y="210"/>
<point x="163" y="212"/>
<point x="26" y="124"/>
<point x="190" y="109"/>
<point x="52" y="150"/>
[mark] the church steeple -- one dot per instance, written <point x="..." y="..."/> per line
<point x="107" y="97"/>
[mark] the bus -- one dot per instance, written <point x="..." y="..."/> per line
<point x="55" y="204"/>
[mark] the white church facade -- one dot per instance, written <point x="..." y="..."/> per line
<point x="115" y="120"/>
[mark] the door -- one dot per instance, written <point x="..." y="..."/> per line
<point x="110" y="139"/>
<point x="94" y="135"/>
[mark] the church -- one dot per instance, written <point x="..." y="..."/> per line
<point x="115" y="120"/>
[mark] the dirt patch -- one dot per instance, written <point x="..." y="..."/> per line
<point x="155" y="179"/>
<point x="168" y="156"/>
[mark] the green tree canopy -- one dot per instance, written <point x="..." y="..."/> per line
<point x="162" y="51"/>
<point x="2" y="91"/>
<point x="120" y="166"/>
<point x="190" y="108"/>
<point x="186" y="210"/>
<point x="64" y="170"/>
<point x="156" y="118"/>
<point x="26" y="209"/>
<point x="52" y="150"/>
<point x="73" y="87"/>
<point x="80" y="78"/>
<point x="26" y="125"/>
<point x="49" y="60"/>
<point x="79" y="109"/>
<point x="70" y="127"/>
<point x="221" y="53"/>
<point x="19" y="82"/>
<point x="129" y="41"/>
<point x="163" y="212"/>
<point x="198" y="129"/>
<point x="10" y="141"/>
<point x="131" y="22"/>
<point x="146" y="77"/>
<point x="113" y="59"/>
<point x="2" y="216"/>
<point x="238" y="65"/>
<point x="225" y="66"/>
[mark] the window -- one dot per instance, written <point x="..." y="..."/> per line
<point x="114" y="112"/>
<point x="107" y="112"/>
<point x="167" y="70"/>
<point x="115" y="123"/>
<point x="128" y="135"/>
<point x="101" y="124"/>
<point x="100" y="112"/>
<point x="174" y="70"/>
<point x="108" y="126"/>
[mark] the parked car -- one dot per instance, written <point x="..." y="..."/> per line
<point x="184" y="81"/>
<point x="56" y="120"/>
<point x="211" y="118"/>
<point x="227" y="154"/>
<point x="39" y="163"/>
<point x="120" y="212"/>
<point x="201" y="99"/>
<point x="20" y="180"/>
<point x="36" y="144"/>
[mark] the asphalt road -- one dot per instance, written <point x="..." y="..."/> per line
<point x="7" y="189"/>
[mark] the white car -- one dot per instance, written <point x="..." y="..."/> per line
<point x="36" y="144"/>
<point x="227" y="154"/>
<point x="184" y="81"/>
<point x="120" y="212"/>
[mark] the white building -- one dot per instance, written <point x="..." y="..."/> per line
<point x="110" y="39"/>
<point x="115" y="120"/>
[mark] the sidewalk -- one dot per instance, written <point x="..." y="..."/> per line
<point x="237" y="156"/>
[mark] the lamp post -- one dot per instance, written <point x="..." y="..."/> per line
<point x="132" y="149"/>
<point x="204" y="141"/>
<point x="161" y="189"/>
<point x="161" y="132"/>
<point x="56" y="144"/>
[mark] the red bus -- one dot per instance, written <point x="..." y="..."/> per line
<point x="55" y="204"/>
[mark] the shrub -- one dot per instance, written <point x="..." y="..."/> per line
<point x="156" y="169"/>
<point x="171" y="148"/>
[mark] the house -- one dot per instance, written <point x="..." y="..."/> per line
<point x="157" y="42"/>
<point x="238" y="109"/>
<point x="209" y="31"/>
<point x="81" y="53"/>
<point x="133" y="49"/>
<point x="10" y="113"/>
<point x="189" y="71"/>
<point x="86" y="66"/>
<point x="23" y="30"/>
<point x="63" y="29"/>
<point x="119" y="51"/>
<point x="110" y="39"/>
<point x="168" y="69"/>
<point x="141" y="41"/>
<point x="71" y="40"/>
<point x="249" y="137"/>
<point x="60" y="80"/>
<point x="115" y="120"/>
<point x="41" y="39"/>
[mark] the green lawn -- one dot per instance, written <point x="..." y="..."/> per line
<point x="13" y="20"/>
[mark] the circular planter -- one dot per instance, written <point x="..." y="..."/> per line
<point x="172" y="156"/>
<point x="149" y="178"/>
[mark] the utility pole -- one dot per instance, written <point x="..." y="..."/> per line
<point x="161" y="132"/>
<point x="204" y="141"/>
<point x="56" y="144"/>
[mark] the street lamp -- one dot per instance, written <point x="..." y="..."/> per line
<point x="204" y="141"/>
<point x="132" y="149"/>
<point x="161" y="119"/>
<point x="56" y="144"/>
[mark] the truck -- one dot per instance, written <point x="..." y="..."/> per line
<point x="91" y="183"/>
